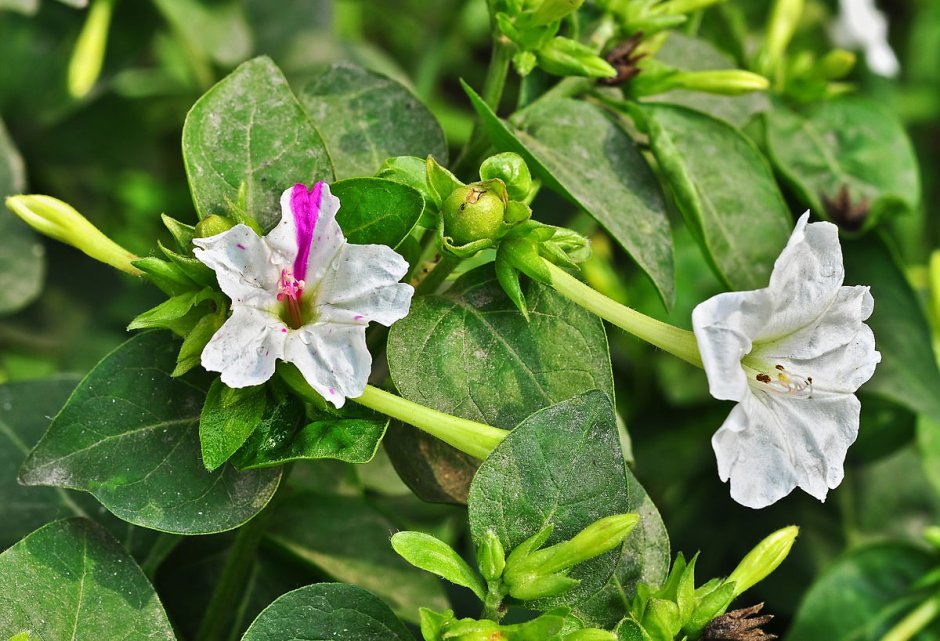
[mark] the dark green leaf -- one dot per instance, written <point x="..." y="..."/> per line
<point x="850" y="143"/>
<point x="71" y="580"/>
<point x="366" y="118"/>
<point x="22" y="264"/>
<point x="347" y="538"/>
<point x="561" y="467"/>
<point x="328" y="611"/>
<point x="128" y="434"/>
<point x="577" y="151"/>
<point x="250" y="130"/>
<point x="376" y="211"/>
<point x="228" y="418"/>
<point x="862" y="594"/>
<point x="470" y="353"/>
<point x="725" y="191"/>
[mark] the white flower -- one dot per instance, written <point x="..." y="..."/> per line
<point x="860" y="25"/>
<point x="303" y="295"/>
<point x="792" y="355"/>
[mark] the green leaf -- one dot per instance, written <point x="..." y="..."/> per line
<point x="691" y="54"/>
<point x="170" y="313"/>
<point x="22" y="261"/>
<point x="908" y="371"/>
<point x="578" y="152"/>
<point x="328" y="611"/>
<point x="433" y="555"/>
<point x="862" y="594"/>
<point x="470" y="353"/>
<point x="725" y="191"/>
<point x="366" y="117"/>
<point x="852" y="143"/>
<point x="218" y="29"/>
<point x="562" y="468"/>
<point x="250" y="130"/>
<point x="375" y="211"/>
<point x="229" y="416"/>
<point x="128" y="435"/>
<point x="71" y="580"/>
<point x="347" y="538"/>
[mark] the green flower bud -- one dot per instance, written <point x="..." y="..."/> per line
<point x="491" y="557"/>
<point x="551" y="10"/>
<point x="59" y="220"/>
<point x="528" y="587"/>
<point x="213" y="224"/>
<point x="473" y="630"/>
<point x="472" y="213"/>
<point x="728" y="82"/>
<point x="782" y="25"/>
<point x="524" y="62"/>
<point x="836" y="64"/>
<point x="512" y="170"/>
<point x="591" y="634"/>
<point x="763" y="559"/>
<point x="566" y="57"/>
<point x="88" y="55"/>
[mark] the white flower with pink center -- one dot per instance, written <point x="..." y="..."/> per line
<point x="792" y="355"/>
<point x="302" y="294"/>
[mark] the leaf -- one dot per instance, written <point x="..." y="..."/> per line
<point x="561" y="468"/>
<point x="71" y="580"/>
<point x="328" y="611"/>
<point x="691" y="54"/>
<point x="852" y="143"/>
<point x="859" y="596"/>
<point x="347" y="539"/>
<point x="725" y="191"/>
<point x="217" y="29"/>
<point x="128" y="435"/>
<point x="908" y="371"/>
<point x="375" y="211"/>
<point x="470" y="353"/>
<point x="366" y="118"/>
<point x="433" y="555"/>
<point x="229" y="416"/>
<point x="22" y="261"/>
<point x="578" y="152"/>
<point x="250" y="130"/>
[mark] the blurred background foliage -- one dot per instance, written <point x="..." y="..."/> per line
<point x="115" y="155"/>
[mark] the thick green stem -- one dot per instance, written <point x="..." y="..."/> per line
<point x="676" y="341"/>
<point x="470" y="437"/>
<point x="438" y="274"/>
<point x="493" y="608"/>
<point x="237" y="568"/>
<point x="915" y="622"/>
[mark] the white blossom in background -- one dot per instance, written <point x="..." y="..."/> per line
<point x="302" y="294"/>
<point x="860" y="25"/>
<point x="792" y="355"/>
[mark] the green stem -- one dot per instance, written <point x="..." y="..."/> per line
<point x="470" y="437"/>
<point x="238" y="564"/>
<point x="438" y="274"/>
<point x="161" y="548"/>
<point x="917" y="620"/>
<point x="678" y="342"/>
<point x="493" y="603"/>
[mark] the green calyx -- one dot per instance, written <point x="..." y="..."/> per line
<point x="212" y="225"/>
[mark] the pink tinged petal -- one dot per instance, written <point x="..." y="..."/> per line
<point x="245" y="348"/>
<point x="308" y="239"/>
<point x="723" y="326"/>
<point x="363" y="286"/>
<point x="770" y="444"/>
<point x="332" y="358"/>
<point x="305" y="206"/>
<point x="242" y="264"/>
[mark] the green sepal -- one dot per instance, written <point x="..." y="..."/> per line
<point x="196" y="341"/>
<point x="491" y="557"/>
<point x="174" y="313"/>
<point x="441" y="182"/>
<point x="530" y="587"/>
<point x="432" y="623"/>
<point x="167" y="276"/>
<point x="661" y="619"/>
<point x="528" y="546"/>
<point x="195" y="270"/>
<point x="590" y="634"/>
<point x="508" y="277"/>
<point x="461" y="251"/>
<point x="182" y="233"/>
<point x="517" y="212"/>
<point x="523" y="254"/>
<point x="433" y="555"/>
<point x="708" y="605"/>
<point x="411" y="171"/>
<point x="566" y="57"/>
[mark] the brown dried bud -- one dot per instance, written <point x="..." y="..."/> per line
<point x="624" y="61"/>
<point x="845" y="213"/>
<point x="739" y="625"/>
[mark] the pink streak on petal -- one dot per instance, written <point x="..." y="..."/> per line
<point x="240" y="246"/>
<point x="332" y="391"/>
<point x="305" y="206"/>
<point x="357" y="317"/>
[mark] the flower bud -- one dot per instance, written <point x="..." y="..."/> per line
<point x="836" y="64"/>
<point x="591" y="634"/>
<point x="88" y="55"/>
<point x="551" y="10"/>
<point x="566" y="57"/>
<point x="728" y="82"/>
<point x="763" y="559"/>
<point x="472" y="213"/>
<point x="213" y="224"/>
<point x="59" y="220"/>
<point x="512" y="170"/>
<point x="491" y="557"/>
<point x="784" y="19"/>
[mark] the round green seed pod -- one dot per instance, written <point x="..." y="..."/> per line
<point x="472" y="213"/>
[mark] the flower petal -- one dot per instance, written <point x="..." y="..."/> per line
<point x="806" y="278"/>
<point x="837" y="350"/>
<point x="723" y="326"/>
<point x="245" y="347"/>
<point x="363" y="286"/>
<point x="770" y="444"/>
<point x="333" y="359"/>
<point x="242" y="262"/>
<point x="308" y="236"/>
